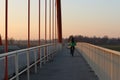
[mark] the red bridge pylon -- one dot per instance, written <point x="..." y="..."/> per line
<point x="0" y="40"/>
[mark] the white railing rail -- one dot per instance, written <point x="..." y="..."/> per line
<point x="46" y="52"/>
<point x="105" y="62"/>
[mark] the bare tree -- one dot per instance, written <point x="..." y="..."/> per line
<point x="11" y="41"/>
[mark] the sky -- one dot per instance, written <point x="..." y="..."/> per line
<point x="79" y="17"/>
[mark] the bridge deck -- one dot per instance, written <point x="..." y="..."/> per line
<point x="64" y="67"/>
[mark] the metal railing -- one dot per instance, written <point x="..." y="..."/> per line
<point x="30" y="59"/>
<point x="105" y="62"/>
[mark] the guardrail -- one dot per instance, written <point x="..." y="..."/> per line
<point x="28" y="58"/>
<point x="105" y="62"/>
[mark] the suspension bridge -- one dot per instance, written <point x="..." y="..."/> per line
<point x="52" y="60"/>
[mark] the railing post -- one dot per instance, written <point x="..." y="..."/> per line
<point x="111" y="66"/>
<point x="28" y="62"/>
<point x="16" y="66"/>
<point x="40" y="57"/>
<point x="44" y="55"/>
<point x="47" y="53"/>
<point x="118" y="65"/>
<point x="35" y="60"/>
<point x="50" y="51"/>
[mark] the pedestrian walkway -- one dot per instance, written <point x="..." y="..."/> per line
<point x="64" y="67"/>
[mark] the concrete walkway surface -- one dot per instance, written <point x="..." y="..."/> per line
<point x="64" y="67"/>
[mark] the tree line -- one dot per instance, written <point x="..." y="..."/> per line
<point x="105" y="40"/>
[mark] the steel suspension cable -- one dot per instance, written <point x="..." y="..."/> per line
<point x="39" y="21"/>
<point x="53" y="21"/>
<point x="45" y="28"/>
<point x="28" y="23"/>
<point x="28" y="63"/>
<point x="6" y="40"/>
<point x="50" y="20"/>
<point x="45" y="21"/>
<point x="39" y="28"/>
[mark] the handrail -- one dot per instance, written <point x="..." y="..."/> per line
<point x="105" y="49"/>
<point x="43" y="58"/>
<point x="105" y="62"/>
<point x="22" y="50"/>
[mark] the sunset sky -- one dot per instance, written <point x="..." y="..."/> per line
<point x="79" y="17"/>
